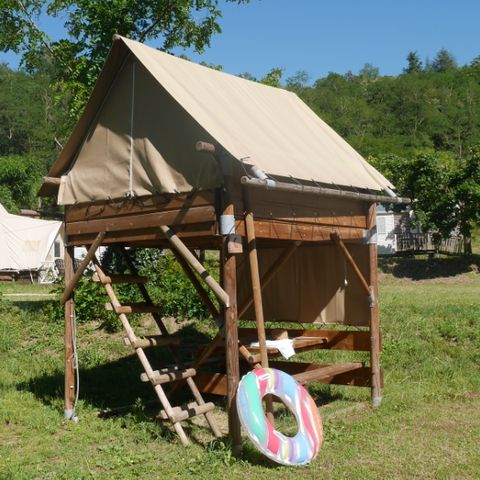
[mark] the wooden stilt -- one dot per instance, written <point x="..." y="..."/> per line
<point x="372" y="293"/>
<point x="231" y="347"/>
<point x="257" y="294"/>
<point x="374" y="320"/>
<point x="70" y="383"/>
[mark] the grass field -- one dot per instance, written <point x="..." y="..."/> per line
<point x="427" y="427"/>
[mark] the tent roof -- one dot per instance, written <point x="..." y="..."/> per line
<point x="257" y="124"/>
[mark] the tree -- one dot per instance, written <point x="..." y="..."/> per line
<point x="444" y="61"/>
<point x="369" y="72"/>
<point x="466" y="184"/>
<point x="414" y="64"/>
<point x="22" y="175"/>
<point x="273" y="78"/>
<point x="76" y="59"/>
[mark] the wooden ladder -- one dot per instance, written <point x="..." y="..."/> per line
<point x="164" y="375"/>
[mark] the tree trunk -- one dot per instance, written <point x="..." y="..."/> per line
<point x="467" y="245"/>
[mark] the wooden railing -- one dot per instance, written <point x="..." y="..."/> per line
<point x="424" y="243"/>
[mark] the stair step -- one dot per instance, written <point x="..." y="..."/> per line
<point x="168" y="375"/>
<point x="152" y="341"/>
<point x="121" y="278"/>
<point x="188" y="411"/>
<point x="135" y="308"/>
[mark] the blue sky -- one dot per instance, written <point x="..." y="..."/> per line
<point x="320" y="36"/>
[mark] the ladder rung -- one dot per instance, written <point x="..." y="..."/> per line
<point x="135" y="308"/>
<point x="152" y="341"/>
<point x="121" y="278"/>
<point x="170" y="375"/>
<point x="188" y="411"/>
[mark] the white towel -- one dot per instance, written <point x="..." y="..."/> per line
<point x="284" y="346"/>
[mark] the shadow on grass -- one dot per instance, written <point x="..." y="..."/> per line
<point x="429" y="268"/>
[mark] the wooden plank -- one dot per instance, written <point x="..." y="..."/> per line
<point x="327" y="371"/>
<point x="216" y="383"/>
<point x="148" y="220"/>
<point x="152" y="341"/>
<point x="119" y="279"/>
<point x="335" y="339"/>
<point x="157" y="377"/>
<point x="134" y="308"/>
<point x="360" y="377"/>
<point x="303" y="232"/>
<point x="141" y="205"/>
<point x="199" y="234"/>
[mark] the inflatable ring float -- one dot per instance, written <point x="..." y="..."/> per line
<point x="297" y="450"/>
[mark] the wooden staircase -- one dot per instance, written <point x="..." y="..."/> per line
<point x="174" y="373"/>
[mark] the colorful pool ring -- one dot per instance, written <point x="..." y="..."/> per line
<point x="298" y="450"/>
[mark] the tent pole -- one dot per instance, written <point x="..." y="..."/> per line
<point x="374" y="320"/>
<point x="70" y="391"/>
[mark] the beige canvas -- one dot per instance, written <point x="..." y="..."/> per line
<point x="315" y="285"/>
<point x="177" y="103"/>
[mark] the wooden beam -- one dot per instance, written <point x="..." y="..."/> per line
<point x="70" y="380"/>
<point x="231" y="345"/>
<point x="141" y="221"/>
<point x="69" y="287"/>
<point x="216" y="383"/>
<point x="339" y="242"/>
<point x="270" y="274"/>
<point x="138" y="206"/>
<point x="198" y="286"/>
<point x="181" y="248"/>
<point x="257" y="296"/>
<point x="374" y="320"/>
<point x="335" y="339"/>
<point x="304" y="232"/>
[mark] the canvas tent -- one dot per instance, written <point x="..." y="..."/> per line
<point x="28" y="244"/>
<point x="170" y="154"/>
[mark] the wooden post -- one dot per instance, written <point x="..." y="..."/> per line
<point x="69" y="287"/>
<point x="257" y="293"/>
<point x="228" y="277"/>
<point x="374" y="320"/>
<point x="70" y="381"/>
<point x="231" y="346"/>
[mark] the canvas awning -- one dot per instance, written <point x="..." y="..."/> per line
<point x="149" y="108"/>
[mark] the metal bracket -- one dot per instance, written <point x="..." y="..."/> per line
<point x="227" y="225"/>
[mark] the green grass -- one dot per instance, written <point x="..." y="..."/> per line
<point x="427" y="427"/>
